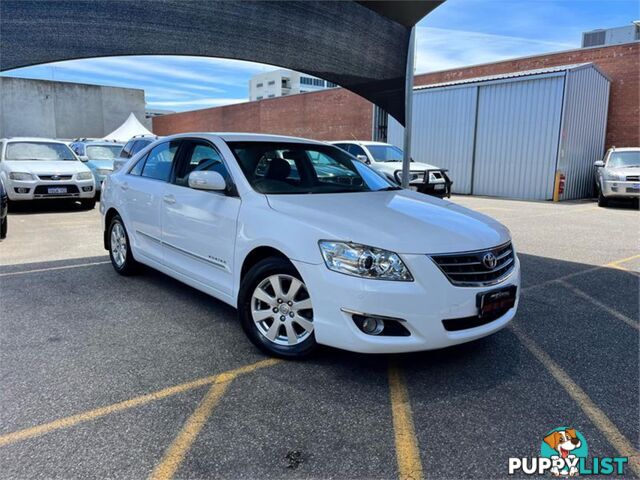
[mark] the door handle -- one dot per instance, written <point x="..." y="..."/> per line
<point x="169" y="199"/>
<point x="124" y="186"/>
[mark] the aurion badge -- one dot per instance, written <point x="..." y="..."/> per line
<point x="489" y="260"/>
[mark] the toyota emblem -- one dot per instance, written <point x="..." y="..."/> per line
<point x="489" y="260"/>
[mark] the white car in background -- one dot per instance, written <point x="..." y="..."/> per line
<point x="618" y="175"/>
<point x="40" y="168"/>
<point x="310" y="245"/>
<point x="387" y="159"/>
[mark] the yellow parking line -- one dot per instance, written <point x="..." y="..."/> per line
<point x="126" y="404"/>
<point x="176" y="452"/>
<point x="407" y="452"/>
<point x="38" y="270"/>
<point x="621" y="444"/>
<point x="609" y="310"/>
<point x="616" y="263"/>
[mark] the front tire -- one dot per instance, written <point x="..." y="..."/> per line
<point x="88" y="204"/>
<point x="120" y="248"/>
<point x="602" y="200"/>
<point x="275" y="309"/>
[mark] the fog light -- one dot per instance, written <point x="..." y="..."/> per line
<point x="372" y="326"/>
<point x="22" y="190"/>
<point x="87" y="189"/>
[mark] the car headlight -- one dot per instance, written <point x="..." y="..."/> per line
<point x="363" y="261"/>
<point x="103" y="171"/>
<point x="84" y="176"/>
<point x="614" y="176"/>
<point x="21" y="176"/>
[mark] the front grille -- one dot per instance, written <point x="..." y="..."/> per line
<point x="467" y="269"/>
<point x="633" y="178"/>
<point x="43" y="191"/>
<point x="633" y="190"/>
<point x="54" y="177"/>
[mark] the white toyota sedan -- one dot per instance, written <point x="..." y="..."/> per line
<point x="311" y="246"/>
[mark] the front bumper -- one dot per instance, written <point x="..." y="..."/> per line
<point x="624" y="189"/>
<point x="427" y="184"/>
<point x="423" y="304"/>
<point x="25" y="190"/>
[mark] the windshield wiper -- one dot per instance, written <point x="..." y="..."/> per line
<point x="388" y="189"/>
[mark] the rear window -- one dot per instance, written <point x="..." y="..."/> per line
<point x="38" y="151"/>
<point x="103" y="152"/>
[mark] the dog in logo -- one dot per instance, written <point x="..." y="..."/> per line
<point x="563" y="442"/>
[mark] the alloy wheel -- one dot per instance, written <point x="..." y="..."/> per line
<point x="282" y="311"/>
<point x="118" y="244"/>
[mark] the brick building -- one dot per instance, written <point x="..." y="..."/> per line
<point x="340" y="114"/>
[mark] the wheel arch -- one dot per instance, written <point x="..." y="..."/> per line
<point x="112" y="212"/>
<point x="256" y="255"/>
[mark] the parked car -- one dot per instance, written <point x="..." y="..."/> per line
<point x="133" y="146"/>
<point x="41" y="168"/>
<point x="4" y="207"/>
<point x="618" y="175"/>
<point x="98" y="156"/>
<point x="364" y="266"/>
<point x="387" y="159"/>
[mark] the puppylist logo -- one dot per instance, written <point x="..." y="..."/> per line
<point x="564" y="452"/>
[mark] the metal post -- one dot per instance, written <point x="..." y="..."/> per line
<point x="408" y="107"/>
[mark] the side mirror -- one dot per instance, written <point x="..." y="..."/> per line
<point x="206" y="180"/>
<point x="363" y="159"/>
<point x="83" y="158"/>
<point x="598" y="163"/>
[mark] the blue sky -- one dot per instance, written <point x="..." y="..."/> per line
<point x="458" y="33"/>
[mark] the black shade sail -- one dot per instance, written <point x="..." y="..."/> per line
<point x="361" y="46"/>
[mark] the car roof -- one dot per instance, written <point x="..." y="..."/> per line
<point x="33" y="139"/>
<point x="361" y="142"/>
<point x="89" y="142"/>
<point x="624" y="149"/>
<point x="246" y="137"/>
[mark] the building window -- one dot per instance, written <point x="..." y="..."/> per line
<point x="271" y="96"/>
<point x="331" y="85"/>
<point x="272" y="82"/>
<point x="318" y="83"/>
<point x="306" y="81"/>
<point x="259" y="98"/>
<point x="259" y="85"/>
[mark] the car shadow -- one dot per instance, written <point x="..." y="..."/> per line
<point x="45" y="206"/>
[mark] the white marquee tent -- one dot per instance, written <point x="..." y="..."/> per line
<point x="128" y="129"/>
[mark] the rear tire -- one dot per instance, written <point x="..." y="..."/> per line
<point x="120" y="248"/>
<point x="275" y="309"/>
<point x="602" y="200"/>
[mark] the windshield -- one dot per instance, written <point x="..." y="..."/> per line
<point x="38" y="151"/>
<point x="385" y="153"/>
<point x="624" y="159"/>
<point x="291" y="168"/>
<point x="103" y="152"/>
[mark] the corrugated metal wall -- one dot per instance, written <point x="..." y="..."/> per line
<point x="517" y="138"/>
<point x="507" y="137"/>
<point x="583" y="130"/>
<point x="445" y="134"/>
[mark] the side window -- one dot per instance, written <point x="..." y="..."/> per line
<point x="200" y="157"/>
<point x="343" y="146"/>
<point x="159" y="161"/>
<point x="139" y="145"/>
<point x="356" y="150"/>
<point x="137" y="168"/>
<point x="126" y="150"/>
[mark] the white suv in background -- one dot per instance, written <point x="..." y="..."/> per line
<point x="40" y="168"/>
<point x="311" y="245"/>
<point x="618" y="175"/>
<point x="387" y="159"/>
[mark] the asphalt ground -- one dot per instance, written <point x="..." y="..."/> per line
<point x="143" y="377"/>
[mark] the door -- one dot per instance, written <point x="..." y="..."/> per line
<point x="517" y="138"/>
<point x="144" y="187"/>
<point x="199" y="226"/>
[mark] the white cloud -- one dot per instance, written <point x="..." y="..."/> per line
<point x="442" y="49"/>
